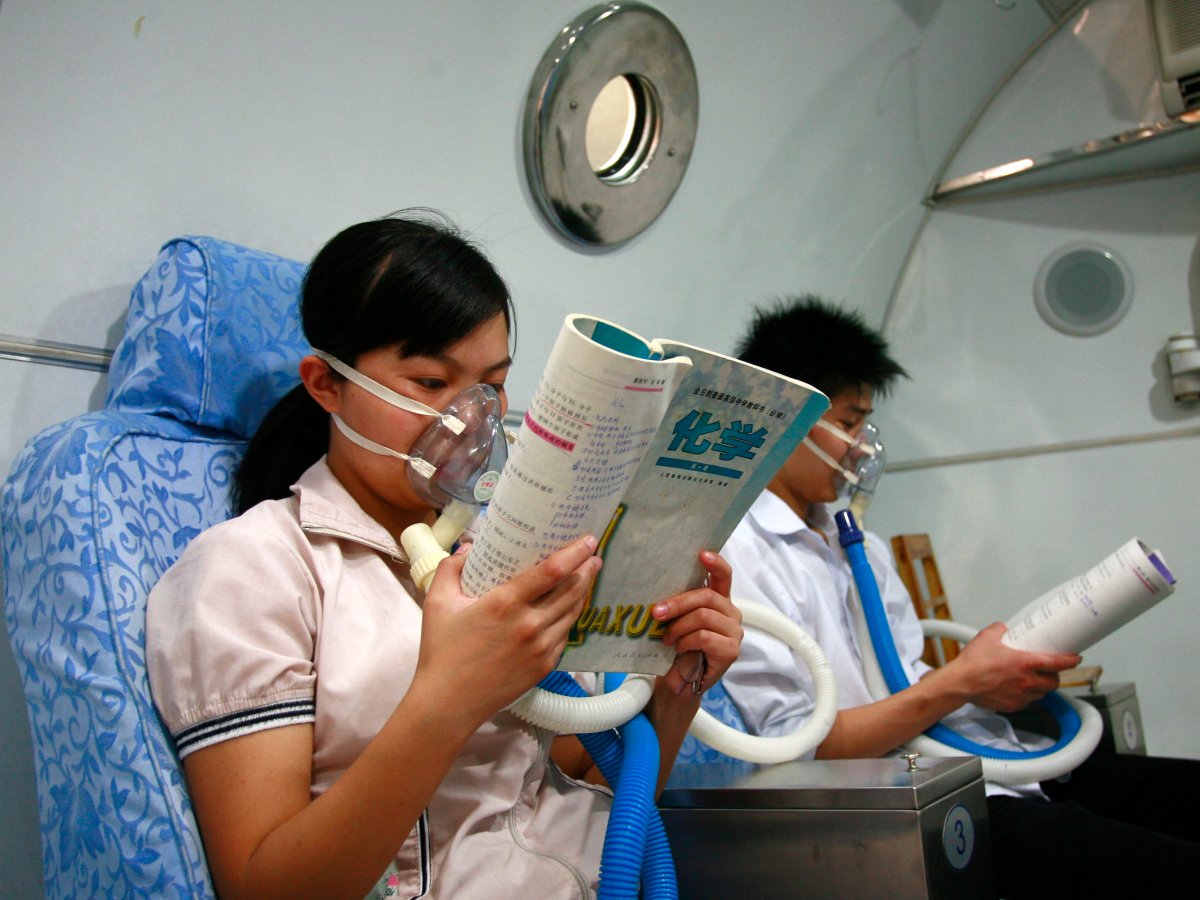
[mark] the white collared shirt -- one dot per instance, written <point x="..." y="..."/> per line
<point x="780" y="561"/>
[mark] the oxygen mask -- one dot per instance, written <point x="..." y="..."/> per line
<point x="465" y="463"/>
<point x="861" y="466"/>
<point x="868" y="471"/>
<point x="458" y="457"/>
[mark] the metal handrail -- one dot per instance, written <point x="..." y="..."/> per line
<point x="53" y="353"/>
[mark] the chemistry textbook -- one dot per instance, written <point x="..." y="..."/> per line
<point x="658" y="448"/>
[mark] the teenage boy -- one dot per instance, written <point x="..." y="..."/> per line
<point x="1117" y="824"/>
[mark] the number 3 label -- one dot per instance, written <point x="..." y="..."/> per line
<point x="958" y="837"/>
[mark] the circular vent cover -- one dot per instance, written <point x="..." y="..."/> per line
<point x="1083" y="289"/>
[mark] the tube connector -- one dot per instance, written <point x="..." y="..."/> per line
<point x="848" y="530"/>
<point x="859" y="501"/>
<point x="452" y="522"/>
<point x="424" y="553"/>
<point x="427" y="546"/>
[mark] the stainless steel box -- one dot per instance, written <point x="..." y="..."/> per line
<point x="833" y="828"/>
<point x="1118" y="706"/>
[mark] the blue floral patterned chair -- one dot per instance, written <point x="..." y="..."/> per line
<point x="94" y="511"/>
<point x="697" y="763"/>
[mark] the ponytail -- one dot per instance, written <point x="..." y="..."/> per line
<point x="293" y="436"/>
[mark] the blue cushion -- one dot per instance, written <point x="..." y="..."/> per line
<point x="698" y="764"/>
<point x="92" y="514"/>
<point x="212" y="336"/>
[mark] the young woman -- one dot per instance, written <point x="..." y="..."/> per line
<point x="341" y="732"/>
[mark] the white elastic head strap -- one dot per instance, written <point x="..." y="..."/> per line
<point x="387" y="395"/>
<point x="855" y="443"/>
<point x="424" y="467"/>
<point x="830" y="461"/>
<point x="848" y="474"/>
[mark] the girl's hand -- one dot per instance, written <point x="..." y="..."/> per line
<point x="482" y="654"/>
<point x="705" y="629"/>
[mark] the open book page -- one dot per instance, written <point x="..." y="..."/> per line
<point x="1077" y="614"/>
<point x="591" y="457"/>
<point x="600" y="400"/>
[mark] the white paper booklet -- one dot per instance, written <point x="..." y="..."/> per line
<point x="657" y="448"/>
<point x="1077" y="614"/>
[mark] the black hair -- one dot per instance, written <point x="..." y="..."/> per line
<point x="411" y="279"/>
<point x="811" y="340"/>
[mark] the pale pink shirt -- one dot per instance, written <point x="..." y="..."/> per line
<point x="297" y="611"/>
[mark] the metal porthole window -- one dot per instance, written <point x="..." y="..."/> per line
<point x="610" y="123"/>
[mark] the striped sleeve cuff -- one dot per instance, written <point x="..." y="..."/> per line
<point x="247" y="721"/>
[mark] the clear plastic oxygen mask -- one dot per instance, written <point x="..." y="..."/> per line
<point x="461" y="464"/>
<point x="860" y="468"/>
<point x="466" y="466"/>
<point x="454" y="464"/>
<point x="869" y="471"/>
<point x="458" y="457"/>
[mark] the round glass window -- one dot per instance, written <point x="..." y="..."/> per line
<point x="610" y="123"/>
<point x="621" y="129"/>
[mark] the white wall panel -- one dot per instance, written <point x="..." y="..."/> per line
<point x="989" y="376"/>
<point x="989" y="373"/>
<point x="277" y="124"/>
<point x="1006" y="532"/>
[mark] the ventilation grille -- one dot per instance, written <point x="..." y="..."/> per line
<point x="1183" y="25"/>
<point x="1177" y="39"/>
<point x="1189" y="90"/>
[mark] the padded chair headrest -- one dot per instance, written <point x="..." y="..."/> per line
<point x="212" y="337"/>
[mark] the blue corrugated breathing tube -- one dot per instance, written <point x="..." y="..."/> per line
<point x="636" y="850"/>
<point x="851" y="538"/>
